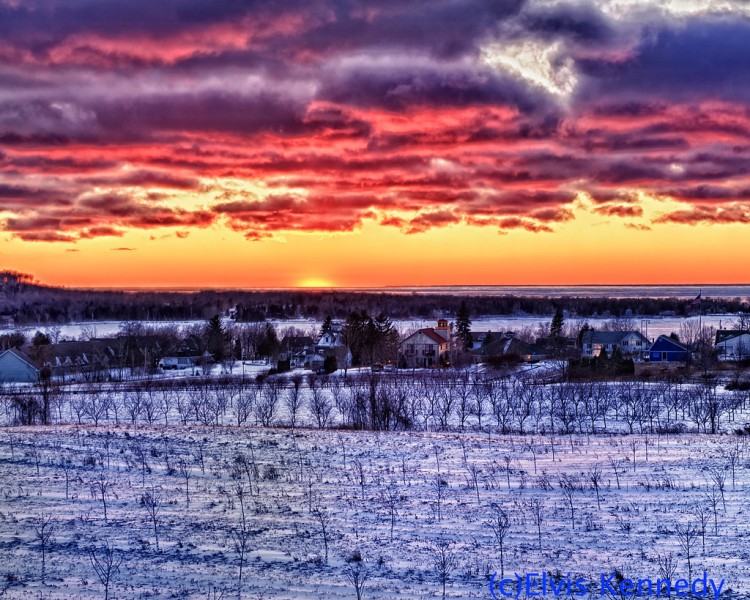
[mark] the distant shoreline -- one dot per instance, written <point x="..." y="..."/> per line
<point x="688" y="291"/>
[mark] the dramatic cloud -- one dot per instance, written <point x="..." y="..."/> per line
<point x="264" y="118"/>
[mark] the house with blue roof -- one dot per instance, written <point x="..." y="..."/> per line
<point x="667" y="349"/>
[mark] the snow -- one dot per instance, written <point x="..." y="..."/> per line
<point x="346" y="475"/>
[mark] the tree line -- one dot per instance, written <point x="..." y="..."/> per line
<point x="29" y="302"/>
<point x="447" y="400"/>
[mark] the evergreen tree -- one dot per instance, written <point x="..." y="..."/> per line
<point x="327" y="326"/>
<point x="40" y="339"/>
<point x="269" y="344"/>
<point x="216" y="338"/>
<point x="330" y="364"/>
<point x="463" y="327"/>
<point x="556" y="328"/>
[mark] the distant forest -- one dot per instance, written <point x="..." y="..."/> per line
<point x="29" y="302"/>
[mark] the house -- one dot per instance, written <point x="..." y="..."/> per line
<point x="297" y="349"/>
<point x="331" y="343"/>
<point x="17" y="367"/>
<point x="630" y="343"/>
<point x="89" y="359"/>
<point x="186" y="356"/>
<point x="7" y="321"/>
<point x="503" y="346"/>
<point x="733" y="344"/>
<point x="667" y="349"/>
<point x="427" y="347"/>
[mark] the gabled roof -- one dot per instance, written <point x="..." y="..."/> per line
<point x="430" y="333"/>
<point x="664" y="343"/>
<point x="294" y="343"/>
<point x="609" y="337"/>
<point x="504" y="346"/>
<point x="21" y="356"/>
<point x="722" y="335"/>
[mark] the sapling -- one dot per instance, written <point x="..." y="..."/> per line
<point x="44" y="530"/>
<point x="443" y="562"/>
<point x="357" y="573"/>
<point x="152" y="502"/>
<point x="500" y="525"/>
<point x="106" y="563"/>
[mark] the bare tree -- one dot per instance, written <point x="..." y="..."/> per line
<point x="106" y="563"/>
<point x="241" y="542"/>
<point x="293" y="398"/>
<point x="733" y="456"/>
<point x="44" y="530"/>
<point x="537" y="514"/>
<point x="702" y="515"/>
<point x="615" y="464"/>
<point x="268" y="400"/>
<point x="319" y="403"/>
<point x="437" y="485"/>
<point x="184" y="471"/>
<point x="443" y="562"/>
<point x="687" y="535"/>
<point x="152" y="501"/>
<point x="324" y="519"/>
<point x="474" y="472"/>
<point x="392" y="499"/>
<point x="100" y="489"/>
<point x="595" y="478"/>
<point x="500" y="525"/>
<point x="667" y="566"/>
<point x="568" y="485"/>
<point x="357" y="572"/>
<point x="719" y="477"/>
<point x="66" y="464"/>
<point x="714" y="498"/>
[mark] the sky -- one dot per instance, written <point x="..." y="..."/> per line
<point x="240" y="143"/>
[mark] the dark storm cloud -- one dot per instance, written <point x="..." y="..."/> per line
<point x="581" y="23"/>
<point x="704" y="58"/>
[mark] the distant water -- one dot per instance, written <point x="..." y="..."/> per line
<point x="687" y="292"/>
<point x="588" y="291"/>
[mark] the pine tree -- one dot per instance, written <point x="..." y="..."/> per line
<point x="556" y="328"/>
<point x="216" y="338"/>
<point x="463" y="327"/>
<point x="327" y="326"/>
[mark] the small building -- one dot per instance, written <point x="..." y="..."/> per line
<point x="17" y="367"/>
<point x="331" y="343"/>
<point x="630" y="343"/>
<point x="733" y="344"/>
<point x="427" y="347"/>
<point x="297" y="349"/>
<point x="505" y="346"/>
<point x="667" y="349"/>
<point x="186" y="356"/>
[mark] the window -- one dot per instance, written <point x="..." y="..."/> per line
<point x="664" y="356"/>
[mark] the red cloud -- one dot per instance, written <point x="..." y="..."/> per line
<point x="619" y="210"/>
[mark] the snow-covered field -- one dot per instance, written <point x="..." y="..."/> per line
<point x="394" y="498"/>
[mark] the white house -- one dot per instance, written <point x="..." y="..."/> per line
<point x="733" y="344"/>
<point x="629" y="343"/>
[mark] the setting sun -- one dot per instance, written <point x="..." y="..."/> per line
<point x="315" y="282"/>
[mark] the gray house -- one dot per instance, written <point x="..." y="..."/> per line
<point x="629" y="343"/>
<point x="16" y="367"/>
